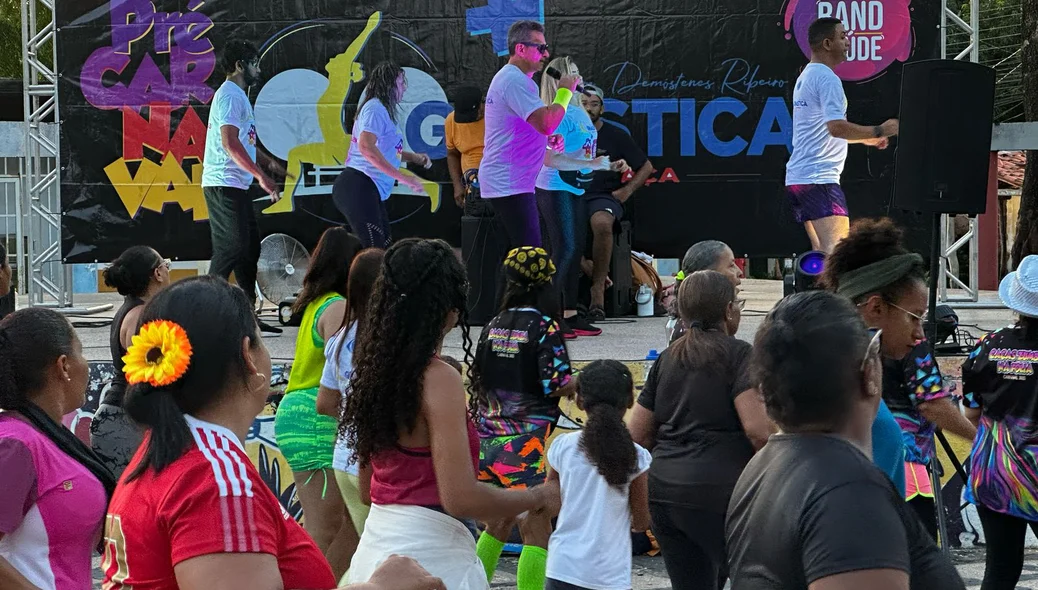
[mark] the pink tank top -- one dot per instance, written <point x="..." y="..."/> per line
<point x="406" y="475"/>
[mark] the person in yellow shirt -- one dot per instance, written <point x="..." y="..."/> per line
<point x="463" y="131"/>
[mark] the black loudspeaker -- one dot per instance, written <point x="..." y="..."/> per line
<point x="483" y="248"/>
<point x="619" y="299"/>
<point x="944" y="144"/>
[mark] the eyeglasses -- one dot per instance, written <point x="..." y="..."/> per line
<point x="873" y="348"/>
<point x="541" y="47"/>
<point x="165" y="262"/>
<point x="741" y="304"/>
<point x="918" y="318"/>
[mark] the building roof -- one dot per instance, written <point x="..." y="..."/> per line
<point x="1011" y="169"/>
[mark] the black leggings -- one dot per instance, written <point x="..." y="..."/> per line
<point x="692" y="542"/>
<point x="566" y="219"/>
<point x="516" y="216"/>
<point x="926" y="509"/>
<point x="358" y="199"/>
<point x="1004" y="536"/>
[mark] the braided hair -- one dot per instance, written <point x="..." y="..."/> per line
<point x="382" y="87"/>
<point x="31" y="340"/>
<point x="420" y="284"/>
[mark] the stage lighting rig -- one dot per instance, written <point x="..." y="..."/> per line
<point x="807" y="270"/>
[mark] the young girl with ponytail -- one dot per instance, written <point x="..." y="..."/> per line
<point x="605" y="487"/>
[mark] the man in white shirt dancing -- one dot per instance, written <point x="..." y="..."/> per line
<point x="517" y="126"/>
<point x="821" y="133"/>
<point x="228" y="170"/>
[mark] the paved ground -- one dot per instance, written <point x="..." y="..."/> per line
<point x="622" y="339"/>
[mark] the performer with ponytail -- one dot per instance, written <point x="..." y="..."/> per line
<point x="54" y="492"/>
<point x="373" y="161"/>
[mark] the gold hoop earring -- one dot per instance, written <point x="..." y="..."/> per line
<point x="264" y="382"/>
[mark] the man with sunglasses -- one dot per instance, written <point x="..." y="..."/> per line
<point x="517" y="128"/>
<point x="228" y="169"/>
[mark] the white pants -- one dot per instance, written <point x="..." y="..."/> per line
<point x="440" y="543"/>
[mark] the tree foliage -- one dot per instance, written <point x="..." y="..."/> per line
<point x="1026" y="242"/>
<point x="11" y="37"/>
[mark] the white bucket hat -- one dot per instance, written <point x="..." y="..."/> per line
<point x="1019" y="289"/>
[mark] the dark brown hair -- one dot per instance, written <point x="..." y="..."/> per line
<point x="703" y="300"/>
<point x="329" y="269"/>
<point x="869" y="241"/>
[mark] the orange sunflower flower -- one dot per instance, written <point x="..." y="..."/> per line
<point x="159" y="355"/>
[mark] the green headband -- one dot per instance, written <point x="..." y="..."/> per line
<point x="875" y="276"/>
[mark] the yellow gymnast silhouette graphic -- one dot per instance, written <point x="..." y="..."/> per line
<point x="343" y="71"/>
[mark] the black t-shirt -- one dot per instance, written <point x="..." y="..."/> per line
<point x="522" y="362"/>
<point x="701" y="447"/>
<point x="810" y="506"/>
<point x="618" y="145"/>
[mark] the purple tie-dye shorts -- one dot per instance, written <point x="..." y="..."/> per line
<point x="816" y="201"/>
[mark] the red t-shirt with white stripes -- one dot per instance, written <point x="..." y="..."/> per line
<point x="210" y="500"/>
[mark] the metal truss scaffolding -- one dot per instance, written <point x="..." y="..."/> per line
<point x="949" y="245"/>
<point x="49" y="280"/>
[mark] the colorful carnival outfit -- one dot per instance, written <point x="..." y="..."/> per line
<point x="907" y="383"/>
<point x="306" y="438"/>
<point x="522" y="362"/>
<point x="999" y="378"/>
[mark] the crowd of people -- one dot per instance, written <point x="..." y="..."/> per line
<point x="800" y="460"/>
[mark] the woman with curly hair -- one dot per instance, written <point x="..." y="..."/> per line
<point x="887" y="283"/>
<point x="305" y="437"/>
<point x="410" y="428"/>
<point x="373" y="160"/>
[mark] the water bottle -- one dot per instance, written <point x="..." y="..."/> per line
<point x="653" y="355"/>
<point x="644" y="300"/>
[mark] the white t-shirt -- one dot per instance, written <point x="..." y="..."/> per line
<point x="817" y="157"/>
<point x="230" y="106"/>
<point x="591" y="545"/>
<point x="581" y="139"/>
<point x="336" y="375"/>
<point x="374" y="118"/>
<point x="513" y="151"/>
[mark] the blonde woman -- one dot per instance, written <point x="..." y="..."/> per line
<point x="560" y="194"/>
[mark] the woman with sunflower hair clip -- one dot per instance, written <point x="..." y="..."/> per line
<point x="192" y="512"/>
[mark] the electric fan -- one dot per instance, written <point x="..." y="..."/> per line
<point x="279" y="273"/>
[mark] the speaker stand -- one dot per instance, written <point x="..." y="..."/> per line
<point x="931" y="337"/>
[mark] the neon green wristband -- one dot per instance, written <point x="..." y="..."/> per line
<point x="563" y="96"/>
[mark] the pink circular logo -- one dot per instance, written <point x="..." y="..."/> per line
<point x="879" y="31"/>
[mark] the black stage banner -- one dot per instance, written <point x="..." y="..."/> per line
<point x="704" y="86"/>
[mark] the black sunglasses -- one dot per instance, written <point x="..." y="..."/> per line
<point x="542" y="47"/>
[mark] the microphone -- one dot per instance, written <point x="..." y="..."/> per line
<point x="557" y="75"/>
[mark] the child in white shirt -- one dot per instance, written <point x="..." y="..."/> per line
<point x="605" y="490"/>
